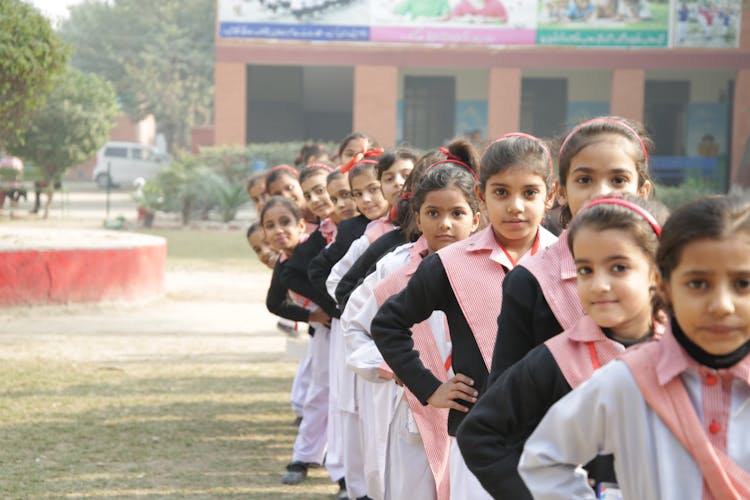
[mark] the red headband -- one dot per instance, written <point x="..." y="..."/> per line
<point x="288" y="168"/>
<point x="607" y="119"/>
<point x="453" y="160"/>
<point x="632" y="206"/>
<point x="533" y="138"/>
<point x="361" y="158"/>
<point x="325" y="167"/>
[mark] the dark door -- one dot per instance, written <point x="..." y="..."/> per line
<point x="429" y="110"/>
<point x="544" y="105"/>
<point x="665" y="115"/>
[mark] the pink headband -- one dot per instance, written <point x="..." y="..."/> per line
<point x="453" y="160"/>
<point x="323" y="166"/>
<point x="288" y="168"/>
<point x="533" y="138"/>
<point x="632" y="206"/>
<point x="607" y="119"/>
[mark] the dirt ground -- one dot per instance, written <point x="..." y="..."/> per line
<point x="207" y="317"/>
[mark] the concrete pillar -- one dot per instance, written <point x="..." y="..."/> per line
<point x="230" y="103"/>
<point x="503" y="102"/>
<point x="628" y="93"/>
<point x="739" y="173"/>
<point x="375" y="102"/>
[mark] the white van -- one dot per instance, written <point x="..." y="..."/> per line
<point x="126" y="162"/>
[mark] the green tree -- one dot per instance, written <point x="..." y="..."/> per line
<point x="70" y="127"/>
<point x="31" y="55"/>
<point x="158" y="55"/>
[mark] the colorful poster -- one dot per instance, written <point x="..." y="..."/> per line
<point x="603" y="23"/>
<point x="319" y="20"/>
<point x="714" y="24"/>
<point x="448" y="22"/>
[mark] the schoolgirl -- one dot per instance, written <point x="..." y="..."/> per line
<point x="401" y="216"/>
<point x="515" y="172"/>
<point x="356" y="142"/>
<point x="600" y="156"/>
<point x="256" y="190"/>
<point x="613" y="242"/>
<point x="284" y="228"/>
<point x="447" y="210"/>
<point x="283" y="180"/>
<point x="674" y="413"/>
<point x="256" y="238"/>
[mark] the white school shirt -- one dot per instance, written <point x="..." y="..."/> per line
<point x="338" y="271"/>
<point x="607" y="414"/>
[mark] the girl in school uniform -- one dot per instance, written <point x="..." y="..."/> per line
<point x="675" y="413"/>
<point x="613" y="242"/>
<point x="515" y="171"/>
<point x="283" y="180"/>
<point x="600" y="156"/>
<point x="356" y="142"/>
<point x="447" y="210"/>
<point x="285" y="229"/>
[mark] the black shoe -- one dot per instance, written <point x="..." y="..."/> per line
<point x="342" y="494"/>
<point x="290" y="330"/>
<point x="296" y="472"/>
<point x="297" y="421"/>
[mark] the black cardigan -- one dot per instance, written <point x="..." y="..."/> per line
<point x="493" y="435"/>
<point x="277" y="299"/>
<point x="525" y="320"/>
<point x="320" y="267"/>
<point x="365" y="265"/>
<point x="428" y="290"/>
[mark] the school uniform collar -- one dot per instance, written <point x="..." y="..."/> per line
<point x="416" y="253"/>
<point x="586" y="330"/>
<point x="485" y="241"/>
<point x="673" y="360"/>
<point x="567" y="264"/>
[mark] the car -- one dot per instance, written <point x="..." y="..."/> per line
<point x="120" y="163"/>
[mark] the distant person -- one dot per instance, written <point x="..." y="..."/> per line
<point x="708" y="147"/>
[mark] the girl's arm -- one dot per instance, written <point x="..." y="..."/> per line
<point x="356" y="249"/>
<point x="321" y="266"/>
<point x="277" y="299"/>
<point x="525" y="320"/>
<point x="391" y="326"/>
<point x="492" y="435"/>
<point x="580" y="426"/>
<point x="296" y="280"/>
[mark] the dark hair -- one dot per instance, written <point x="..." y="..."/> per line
<point x="510" y="151"/>
<point x="278" y="171"/>
<point x="588" y="132"/>
<point x="710" y="217"/>
<point x="335" y="175"/>
<point x="255" y="226"/>
<point x="255" y="179"/>
<point x="365" y="166"/>
<point x="445" y="176"/>
<point x="372" y="143"/>
<point x="319" y="167"/>
<point x="308" y="150"/>
<point x="612" y="216"/>
<point x="402" y="214"/>
<point x="388" y="158"/>
<point x="280" y="200"/>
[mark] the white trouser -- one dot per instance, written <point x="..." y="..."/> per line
<point x="301" y="383"/>
<point x="464" y="484"/>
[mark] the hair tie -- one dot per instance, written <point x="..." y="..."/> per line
<point x="325" y="167"/>
<point x="606" y="119"/>
<point x="453" y="160"/>
<point x="405" y="195"/>
<point x="361" y="158"/>
<point x="283" y="166"/>
<point x="632" y="206"/>
<point x="533" y="138"/>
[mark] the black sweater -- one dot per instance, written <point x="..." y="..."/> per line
<point x="277" y="298"/>
<point x="428" y="290"/>
<point x="365" y="265"/>
<point x="525" y="320"/>
<point x="493" y="435"/>
<point x="294" y="273"/>
<point x="320" y="267"/>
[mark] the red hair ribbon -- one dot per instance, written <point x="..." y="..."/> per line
<point x="607" y="119"/>
<point x="453" y="160"/>
<point x="362" y="157"/>
<point x="394" y="209"/>
<point x="632" y="206"/>
<point x="283" y="166"/>
<point x="533" y="138"/>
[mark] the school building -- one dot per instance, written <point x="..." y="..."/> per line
<point x="694" y="101"/>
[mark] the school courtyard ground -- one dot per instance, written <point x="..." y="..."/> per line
<point x="182" y="396"/>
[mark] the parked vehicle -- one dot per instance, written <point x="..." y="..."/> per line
<point x="120" y="163"/>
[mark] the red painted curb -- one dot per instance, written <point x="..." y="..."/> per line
<point x="30" y="277"/>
